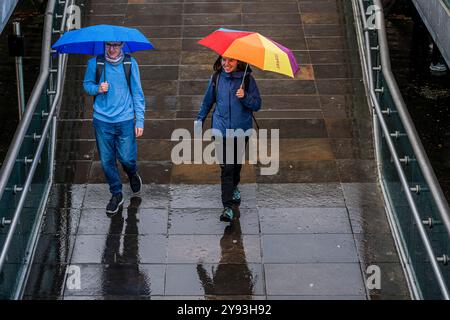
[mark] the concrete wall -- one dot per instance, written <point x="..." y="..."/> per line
<point x="436" y="16"/>
<point x="6" y="8"/>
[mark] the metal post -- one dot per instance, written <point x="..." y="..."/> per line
<point x="19" y="74"/>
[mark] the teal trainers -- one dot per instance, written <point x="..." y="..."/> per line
<point x="227" y="215"/>
<point x="236" y="196"/>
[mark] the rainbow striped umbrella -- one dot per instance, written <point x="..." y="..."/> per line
<point x="253" y="48"/>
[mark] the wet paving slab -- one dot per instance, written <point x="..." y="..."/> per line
<point x="61" y="221"/>
<point x="309" y="248"/>
<point x="304" y="221"/>
<point x="367" y="219"/>
<point x="205" y="196"/>
<point x="198" y="222"/>
<point x="307" y="232"/>
<point x="151" y="196"/>
<point x="300" y="195"/>
<point x="314" y="279"/>
<point x="215" y="279"/>
<point x="119" y="280"/>
<point x="225" y="248"/>
<point x="136" y="222"/>
<point x="46" y="281"/>
<point x="67" y="196"/>
<point x="114" y="248"/>
<point x="54" y="249"/>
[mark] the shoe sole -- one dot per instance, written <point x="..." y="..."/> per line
<point x="438" y="70"/>
<point x="118" y="207"/>
<point x="137" y="192"/>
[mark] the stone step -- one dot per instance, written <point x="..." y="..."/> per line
<point x="163" y="129"/>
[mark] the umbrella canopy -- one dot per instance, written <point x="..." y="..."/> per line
<point x="253" y="48"/>
<point x="91" y="40"/>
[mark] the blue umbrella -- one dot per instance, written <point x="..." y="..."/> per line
<point x="91" y="40"/>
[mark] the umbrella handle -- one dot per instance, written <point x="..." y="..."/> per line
<point x="245" y="72"/>
<point x="104" y="75"/>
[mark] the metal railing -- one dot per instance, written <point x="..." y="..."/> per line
<point x="27" y="172"/>
<point x="418" y="211"/>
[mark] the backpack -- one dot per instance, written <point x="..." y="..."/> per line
<point x="215" y="83"/>
<point x="126" y="67"/>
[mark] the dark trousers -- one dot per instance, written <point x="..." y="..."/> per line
<point x="230" y="174"/>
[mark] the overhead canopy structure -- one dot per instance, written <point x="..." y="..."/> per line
<point x="6" y="8"/>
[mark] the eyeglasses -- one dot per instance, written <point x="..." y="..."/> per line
<point x="113" y="45"/>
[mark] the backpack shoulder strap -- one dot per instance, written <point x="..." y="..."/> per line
<point x="127" y="69"/>
<point x="215" y="83"/>
<point x="100" y="62"/>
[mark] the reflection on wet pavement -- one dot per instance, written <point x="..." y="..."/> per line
<point x="308" y="232"/>
<point x="232" y="276"/>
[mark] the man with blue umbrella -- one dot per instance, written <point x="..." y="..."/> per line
<point x="112" y="78"/>
<point x="119" y="109"/>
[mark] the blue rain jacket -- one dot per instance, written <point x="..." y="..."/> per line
<point x="119" y="103"/>
<point x="231" y="112"/>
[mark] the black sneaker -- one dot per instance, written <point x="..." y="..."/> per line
<point x="135" y="183"/>
<point x="114" y="204"/>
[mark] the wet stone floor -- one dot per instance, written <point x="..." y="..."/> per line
<point x="308" y="232"/>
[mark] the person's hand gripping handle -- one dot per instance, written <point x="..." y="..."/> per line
<point x="240" y="93"/>
<point x="103" y="87"/>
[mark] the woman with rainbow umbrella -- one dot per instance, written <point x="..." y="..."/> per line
<point x="233" y="90"/>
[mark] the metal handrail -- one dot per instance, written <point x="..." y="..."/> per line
<point x="418" y="149"/>
<point x="13" y="151"/>
<point x="28" y="115"/>
<point x="368" y="76"/>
